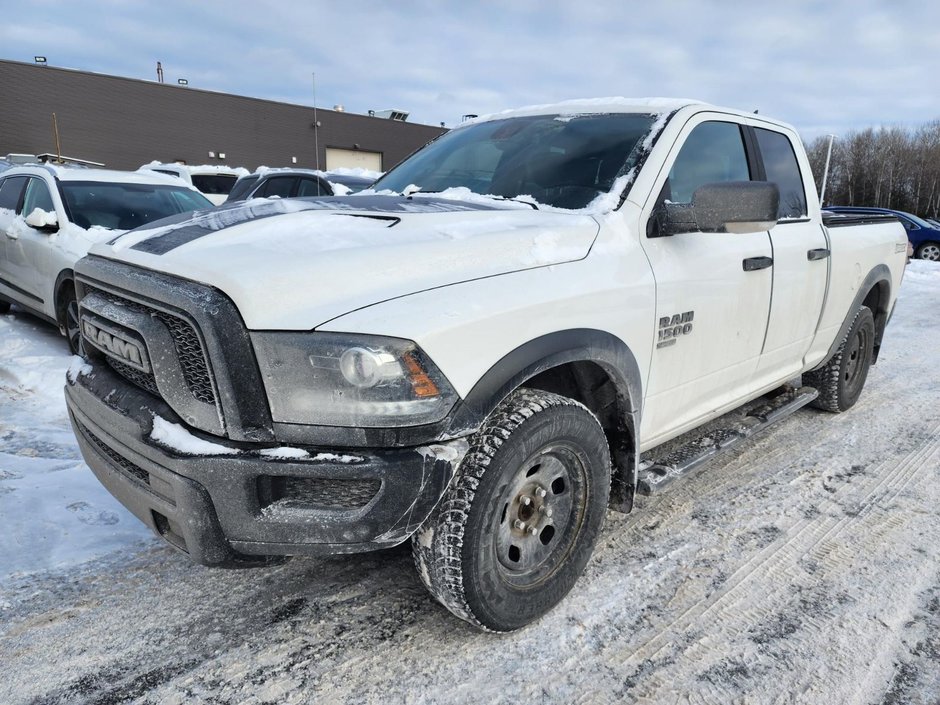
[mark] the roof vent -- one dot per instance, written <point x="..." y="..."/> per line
<point x="398" y="115"/>
<point x="339" y="108"/>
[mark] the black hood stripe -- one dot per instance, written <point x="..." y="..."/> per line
<point x="194" y="226"/>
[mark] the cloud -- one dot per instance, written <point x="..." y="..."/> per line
<point x="833" y="66"/>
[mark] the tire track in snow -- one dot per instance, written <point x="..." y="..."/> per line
<point x="731" y="611"/>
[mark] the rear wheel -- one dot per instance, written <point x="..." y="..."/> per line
<point x="929" y="251"/>
<point x="840" y="381"/>
<point x="519" y="521"/>
<point x="4" y="306"/>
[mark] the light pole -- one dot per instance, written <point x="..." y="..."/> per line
<point x="822" y="192"/>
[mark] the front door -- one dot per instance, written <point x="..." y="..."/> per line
<point x="712" y="291"/>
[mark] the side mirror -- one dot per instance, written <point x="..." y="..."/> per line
<point x="729" y="206"/>
<point x="43" y="221"/>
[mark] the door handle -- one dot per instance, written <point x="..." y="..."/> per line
<point x="753" y="263"/>
<point x="821" y="253"/>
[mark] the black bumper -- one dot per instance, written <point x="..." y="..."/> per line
<point x="222" y="510"/>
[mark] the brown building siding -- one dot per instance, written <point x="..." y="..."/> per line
<point x="126" y="122"/>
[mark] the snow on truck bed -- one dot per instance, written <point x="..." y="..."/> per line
<point x="801" y="568"/>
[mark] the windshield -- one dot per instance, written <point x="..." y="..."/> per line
<point x="126" y="206"/>
<point x="559" y="160"/>
<point x="241" y="187"/>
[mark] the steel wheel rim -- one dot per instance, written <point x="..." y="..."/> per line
<point x="540" y="515"/>
<point x="856" y="356"/>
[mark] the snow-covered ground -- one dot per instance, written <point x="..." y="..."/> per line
<point x="803" y="567"/>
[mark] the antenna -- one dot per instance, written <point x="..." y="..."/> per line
<point x="159" y="72"/>
<point x="316" y="124"/>
<point x="55" y="131"/>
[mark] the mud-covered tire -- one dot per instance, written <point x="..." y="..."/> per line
<point x="840" y="381"/>
<point x="541" y="460"/>
<point x="928" y="251"/>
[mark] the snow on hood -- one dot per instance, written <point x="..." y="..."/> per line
<point x="295" y="264"/>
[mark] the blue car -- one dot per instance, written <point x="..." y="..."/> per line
<point x="923" y="236"/>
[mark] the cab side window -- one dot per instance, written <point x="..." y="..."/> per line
<point x="781" y="168"/>
<point x="37" y="196"/>
<point x="713" y="152"/>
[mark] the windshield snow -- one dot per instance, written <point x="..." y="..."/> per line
<point x="561" y="161"/>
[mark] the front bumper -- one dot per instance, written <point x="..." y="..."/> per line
<point x="225" y="510"/>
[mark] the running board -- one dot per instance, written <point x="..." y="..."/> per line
<point x="654" y="475"/>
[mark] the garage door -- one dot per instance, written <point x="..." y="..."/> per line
<point x="351" y="158"/>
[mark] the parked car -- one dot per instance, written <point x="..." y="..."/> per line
<point x="50" y="217"/>
<point x="923" y="235"/>
<point x="289" y="183"/>
<point x="282" y="183"/>
<point x="214" y="182"/>
<point x="486" y="367"/>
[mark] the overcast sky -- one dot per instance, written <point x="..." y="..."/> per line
<point x="823" y="66"/>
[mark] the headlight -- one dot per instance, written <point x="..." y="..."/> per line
<point x="337" y="379"/>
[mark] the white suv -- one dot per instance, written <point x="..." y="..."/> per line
<point x="50" y="216"/>
<point x="214" y="182"/>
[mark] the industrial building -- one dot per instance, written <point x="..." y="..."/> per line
<point x="124" y="123"/>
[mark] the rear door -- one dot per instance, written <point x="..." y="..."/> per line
<point x="800" y="254"/>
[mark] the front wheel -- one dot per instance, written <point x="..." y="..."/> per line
<point x="840" y="381"/>
<point x="519" y="521"/>
<point x="68" y="318"/>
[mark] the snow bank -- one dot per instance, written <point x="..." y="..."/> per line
<point x="55" y="512"/>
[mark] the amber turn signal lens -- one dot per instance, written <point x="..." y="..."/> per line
<point x="423" y="386"/>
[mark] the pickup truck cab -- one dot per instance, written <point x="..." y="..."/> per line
<point x="482" y="353"/>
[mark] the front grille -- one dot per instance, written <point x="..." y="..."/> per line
<point x="192" y="357"/>
<point x="123" y="463"/>
<point x="279" y="493"/>
<point x="144" y="380"/>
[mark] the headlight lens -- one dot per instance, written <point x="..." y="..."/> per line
<point x="337" y="379"/>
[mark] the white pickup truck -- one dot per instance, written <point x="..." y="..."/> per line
<point x="521" y="326"/>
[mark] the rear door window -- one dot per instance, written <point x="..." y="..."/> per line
<point x="782" y="169"/>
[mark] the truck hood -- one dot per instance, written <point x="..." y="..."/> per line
<point x="298" y="263"/>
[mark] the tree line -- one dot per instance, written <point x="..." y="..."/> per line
<point x="891" y="167"/>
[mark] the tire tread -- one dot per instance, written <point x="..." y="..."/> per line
<point x="438" y="545"/>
